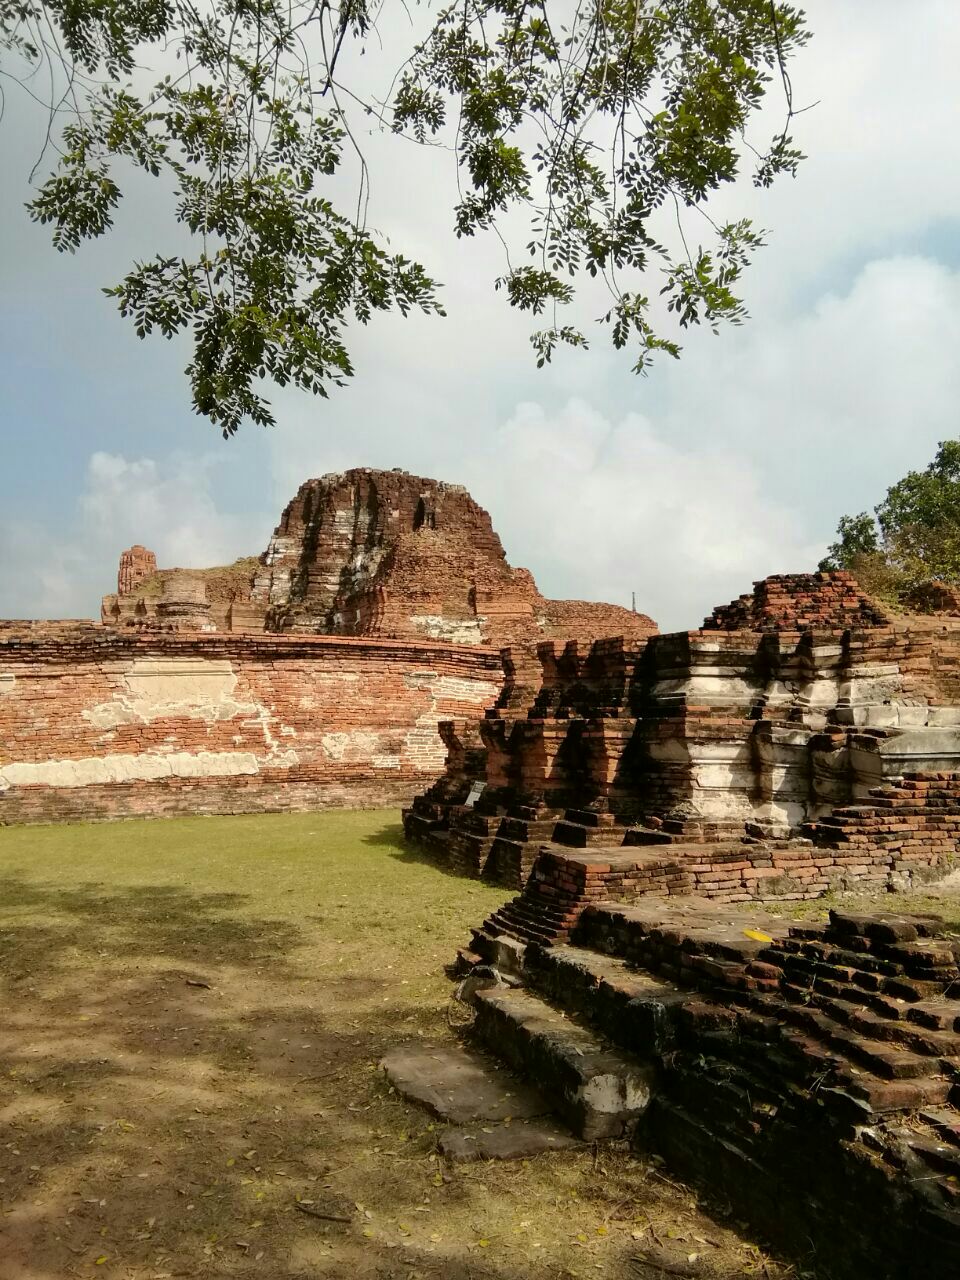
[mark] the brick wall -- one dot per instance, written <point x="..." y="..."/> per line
<point x="98" y="722"/>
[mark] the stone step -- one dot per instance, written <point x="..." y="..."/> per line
<point x="576" y="835"/>
<point x="493" y="1116"/>
<point x="597" y="1092"/>
<point x="939" y="1155"/>
<point x="499" y="950"/>
<point x="417" y="826"/>
<point x="656" y="927"/>
<point x="528" y="921"/>
<point x="637" y="836"/>
<point x="939" y="1015"/>
<point x="945" y="1122"/>
<point x="526" y="829"/>
<point x="631" y="1008"/>
<point x="887" y="1060"/>
<point x="878" y="1025"/>
<point x="589" y="818"/>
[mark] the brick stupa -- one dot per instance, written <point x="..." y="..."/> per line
<point x="377" y="553"/>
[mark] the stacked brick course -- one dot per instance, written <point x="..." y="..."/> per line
<point x="887" y="852"/>
<point x="797" y="602"/>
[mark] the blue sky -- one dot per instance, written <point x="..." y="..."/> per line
<point x="683" y="487"/>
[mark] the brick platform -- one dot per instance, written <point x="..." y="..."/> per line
<point x="806" y="1074"/>
<point x="771" y="743"/>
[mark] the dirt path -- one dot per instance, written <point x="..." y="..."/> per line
<point x="188" y="1073"/>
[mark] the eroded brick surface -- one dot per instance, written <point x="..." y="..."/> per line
<point x="808" y="1074"/>
<point x="739" y="764"/>
<point x="97" y="722"/>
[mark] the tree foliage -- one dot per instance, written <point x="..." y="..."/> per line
<point x="608" y="124"/>
<point x="913" y="536"/>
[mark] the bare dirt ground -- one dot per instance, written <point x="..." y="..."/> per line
<point x="191" y="1017"/>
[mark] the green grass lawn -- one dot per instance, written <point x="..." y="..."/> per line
<point x="191" y="1016"/>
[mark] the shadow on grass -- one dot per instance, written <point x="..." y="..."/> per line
<point x="143" y="920"/>
<point x="173" y="1080"/>
<point x="389" y="837"/>
<point x="410" y="851"/>
<point x="415" y="853"/>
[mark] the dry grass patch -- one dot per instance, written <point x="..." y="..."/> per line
<point x="941" y="899"/>
<point x="191" y="1018"/>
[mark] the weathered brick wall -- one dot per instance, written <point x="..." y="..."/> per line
<point x="98" y="722"/>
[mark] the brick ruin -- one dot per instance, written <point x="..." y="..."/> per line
<point x="99" y="722"/>
<point x="313" y="675"/>
<point x="390" y="554"/>
<point x="647" y="799"/>
<point x="152" y="599"/>
<point x="645" y="793"/>
<point x="726" y="762"/>
<point x="136" y="564"/>
<point x="805" y="1074"/>
<point x="369" y="553"/>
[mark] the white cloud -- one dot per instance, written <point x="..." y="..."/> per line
<point x="757" y="443"/>
<point x="599" y="508"/>
<point x="835" y="403"/>
<point x="167" y="506"/>
<point x="756" y="446"/>
<point x="164" y="504"/>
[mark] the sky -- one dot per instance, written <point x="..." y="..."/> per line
<point x="682" y="487"/>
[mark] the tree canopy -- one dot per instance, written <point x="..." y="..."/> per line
<point x="607" y="124"/>
<point x="913" y="536"/>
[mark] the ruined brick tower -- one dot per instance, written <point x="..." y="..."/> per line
<point x="373" y="553"/>
<point x="136" y="563"/>
<point x="369" y="552"/>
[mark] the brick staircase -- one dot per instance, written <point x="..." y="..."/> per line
<point x="808" y="1072"/>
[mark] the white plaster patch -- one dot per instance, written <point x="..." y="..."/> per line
<point x="334" y="744"/>
<point x="451" y="688"/>
<point x="455" y="631"/>
<point x="7" y="682"/>
<point x="422" y="745"/>
<point x="358" y="745"/>
<point x="92" y="770"/>
<point x="181" y="688"/>
<point x="613" y="1094"/>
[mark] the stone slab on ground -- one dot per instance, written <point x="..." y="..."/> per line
<point x="459" y="1086"/>
<point x="599" y="1092"/>
<point x="514" y="1141"/>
